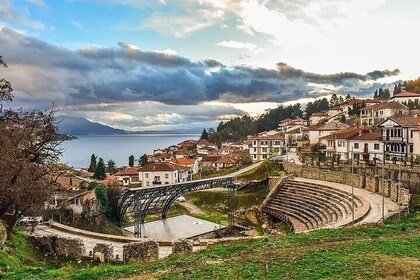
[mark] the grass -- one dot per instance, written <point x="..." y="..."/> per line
<point x="389" y="251"/>
<point x="265" y="170"/>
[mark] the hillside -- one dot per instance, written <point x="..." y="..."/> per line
<point x="390" y="251"/>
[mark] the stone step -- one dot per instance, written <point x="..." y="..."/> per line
<point x="309" y="222"/>
<point x="305" y="211"/>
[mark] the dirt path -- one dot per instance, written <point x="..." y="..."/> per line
<point x="191" y="207"/>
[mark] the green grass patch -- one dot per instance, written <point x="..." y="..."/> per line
<point x="264" y="170"/>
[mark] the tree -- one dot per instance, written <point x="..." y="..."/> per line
<point x="397" y="89"/>
<point x="343" y="119"/>
<point x="204" y="135"/>
<point x="348" y="97"/>
<point x="29" y="151"/>
<point x="111" y="166"/>
<point x="131" y="161"/>
<point x="143" y="160"/>
<point x="333" y="100"/>
<point x="92" y="165"/>
<point x="100" y="170"/>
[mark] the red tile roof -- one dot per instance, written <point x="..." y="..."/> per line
<point x="226" y="160"/>
<point x="346" y="133"/>
<point x="407" y="94"/>
<point x="163" y="166"/>
<point x="128" y="171"/>
<point x="375" y="135"/>
<point x="185" y="161"/>
<point x="277" y="136"/>
<point x="386" y="105"/>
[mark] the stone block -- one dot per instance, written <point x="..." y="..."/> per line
<point x="143" y="250"/>
<point x="106" y="249"/>
<point x="182" y="245"/>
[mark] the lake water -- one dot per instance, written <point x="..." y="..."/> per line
<point x="116" y="147"/>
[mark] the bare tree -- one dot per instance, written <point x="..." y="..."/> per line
<point x="29" y="148"/>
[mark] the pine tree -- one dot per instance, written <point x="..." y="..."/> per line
<point x="131" y="161"/>
<point x="92" y="166"/>
<point x="143" y="160"/>
<point x="204" y="135"/>
<point x="348" y="97"/>
<point x="100" y="170"/>
<point x="375" y="95"/>
<point x="111" y="166"/>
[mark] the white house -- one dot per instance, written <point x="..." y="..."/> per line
<point x="265" y="144"/>
<point x="202" y="143"/>
<point x="316" y="118"/>
<point x="406" y="96"/>
<point x="374" y="114"/>
<point x="398" y="138"/>
<point x="337" y="142"/>
<point x="317" y="132"/>
<point x="190" y="163"/>
<point x="162" y="174"/>
<point x="367" y="146"/>
<point x="128" y="176"/>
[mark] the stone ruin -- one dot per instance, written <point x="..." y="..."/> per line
<point x="182" y="245"/>
<point x="106" y="251"/>
<point x="59" y="246"/>
<point x="142" y="250"/>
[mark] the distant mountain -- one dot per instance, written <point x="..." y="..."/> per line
<point x="81" y="126"/>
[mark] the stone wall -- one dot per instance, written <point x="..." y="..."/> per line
<point x="106" y="249"/>
<point x="182" y="245"/>
<point x="3" y="234"/>
<point x="143" y="250"/>
<point x="361" y="180"/>
<point x="59" y="246"/>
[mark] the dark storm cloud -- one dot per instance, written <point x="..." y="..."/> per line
<point x="91" y="75"/>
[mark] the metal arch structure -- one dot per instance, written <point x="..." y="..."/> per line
<point x="145" y="199"/>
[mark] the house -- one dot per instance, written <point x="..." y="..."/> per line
<point x="337" y="142"/>
<point x="374" y="114"/>
<point x="227" y="150"/>
<point x="398" y="138"/>
<point x="207" y="161"/>
<point x="317" y="132"/>
<point x="188" y="162"/>
<point x="163" y="173"/>
<point x="367" y="146"/>
<point x="316" y="118"/>
<point x="206" y="150"/>
<point x="77" y="202"/>
<point x="128" y="176"/>
<point x="295" y="134"/>
<point x="416" y="142"/>
<point x="335" y="111"/>
<point x="224" y="162"/>
<point x="205" y="143"/>
<point x="288" y="123"/>
<point x="406" y="96"/>
<point x="265" y="144"/>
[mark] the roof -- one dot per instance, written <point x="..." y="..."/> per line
<point x="375" y="135"/>
<point x="286" y="120"/>
<point x="346" y="133"/>
<point x="212" y="158"/>
<point x="156" y="167"/>
<point x="111" y="181"/>
<point x="406" y="94"/>
<point x="403" y="121"/>
<point x="277" y="136"/>
<point x="386" y="105"/>
<point x="333" y="126"/>
<point x="226" y="160"/>
<point x="128" y="171"/>
<point x="185" y="161"/>
<point x="319" y="114"/>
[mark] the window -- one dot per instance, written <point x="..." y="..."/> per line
<point x="376" y="146"/>
<point x="356" y="145"/>
<point x="146" y="175"/>
<point x="166" y="176"/>
<point x="147" y="184"/>
<point x="77" y="201"/>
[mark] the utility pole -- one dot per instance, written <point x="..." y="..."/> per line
<point x="383" y="185"/>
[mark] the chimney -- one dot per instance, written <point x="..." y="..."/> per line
<point x="360" y="132"/>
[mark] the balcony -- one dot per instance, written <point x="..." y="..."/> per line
<point x="395" y="139"/>
<point x="157" y="183"/>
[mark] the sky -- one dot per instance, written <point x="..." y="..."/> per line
<point x="166" y="64"/>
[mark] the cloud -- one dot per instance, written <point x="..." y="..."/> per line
<point x="238" y="45"/>
<point x="76" y="24"/>
<point x="125" y="73"/>
<point x="8" y="13"/>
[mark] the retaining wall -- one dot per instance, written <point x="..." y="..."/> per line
<point x="59" y="246"/>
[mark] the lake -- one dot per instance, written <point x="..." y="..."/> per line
<point x="117" y="147"/>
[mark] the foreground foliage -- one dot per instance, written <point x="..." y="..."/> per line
<point x="390" y="251"/>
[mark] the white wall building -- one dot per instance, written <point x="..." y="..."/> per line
<point x="265" y="144"/>
<point x="374" y="114"/>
